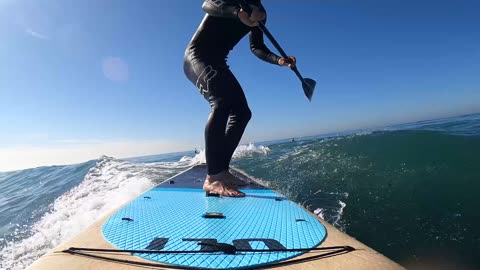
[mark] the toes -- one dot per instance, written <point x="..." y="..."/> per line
<point x="239" y="194"/>
<point x="230" y="192"/>
<point x="224" y="189"/>
<point x="227" y="193"/>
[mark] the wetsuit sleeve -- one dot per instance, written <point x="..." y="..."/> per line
<point x="222" y="8"/>
<point x="258" y="47"/>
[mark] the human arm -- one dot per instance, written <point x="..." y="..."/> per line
<point x="259" y="49"/>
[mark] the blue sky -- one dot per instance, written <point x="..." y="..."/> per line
<point x="83" y="78"/>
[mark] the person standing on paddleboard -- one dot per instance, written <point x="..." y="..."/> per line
<point x="223" y="26"/>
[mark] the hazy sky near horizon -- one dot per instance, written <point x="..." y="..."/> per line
<point x="79" y="79"/>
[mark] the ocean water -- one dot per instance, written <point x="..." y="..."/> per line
<point x="409" y="191"/>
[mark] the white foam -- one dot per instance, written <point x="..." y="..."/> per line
<point x="320" y="212"/>
<point x="240" y="152"/>
<point x="250" y="150"/>
<point x="199" y="158"/>
<point x="106" y="186"/>
<point x="332" y="206"/>
<point x="335" y="217"/>
<point x="364" y="132"/>
<point x="338" y="217"/>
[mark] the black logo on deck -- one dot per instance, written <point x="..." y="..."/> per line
<point x="209" y="244"/>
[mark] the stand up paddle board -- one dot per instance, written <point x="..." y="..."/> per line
<point x="177" y="225"/>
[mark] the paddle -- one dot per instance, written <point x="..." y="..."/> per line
<point x="307" y="84"/>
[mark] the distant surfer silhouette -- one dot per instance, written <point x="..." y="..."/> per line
<point x="223" y="26"/>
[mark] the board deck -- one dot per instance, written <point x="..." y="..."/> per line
<point x="171" y="217"/>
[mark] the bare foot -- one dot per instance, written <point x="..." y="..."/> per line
<point x="218" y="184"/>
<point x="232" y="179"/>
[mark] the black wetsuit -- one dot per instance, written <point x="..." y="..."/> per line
<point x="205" y="65"/>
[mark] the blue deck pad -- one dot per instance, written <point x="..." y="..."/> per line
<point x="172" y="215"/>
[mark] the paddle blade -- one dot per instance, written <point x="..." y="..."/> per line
<point x="308" y="87"/>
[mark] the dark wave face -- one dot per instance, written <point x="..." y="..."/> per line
<point x="409" y="194"/>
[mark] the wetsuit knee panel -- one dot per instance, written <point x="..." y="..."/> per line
<point x="247" y="115"/>
<point x="243" y="117"/>
<point x="242" y="113"/>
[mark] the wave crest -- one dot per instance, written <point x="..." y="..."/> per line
<point x="107" y="185"/>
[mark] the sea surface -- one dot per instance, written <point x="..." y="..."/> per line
<point x="409" y="191"/>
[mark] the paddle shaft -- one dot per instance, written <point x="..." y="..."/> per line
<point x="269" y="35"/>
<point x="277" y="46"/>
